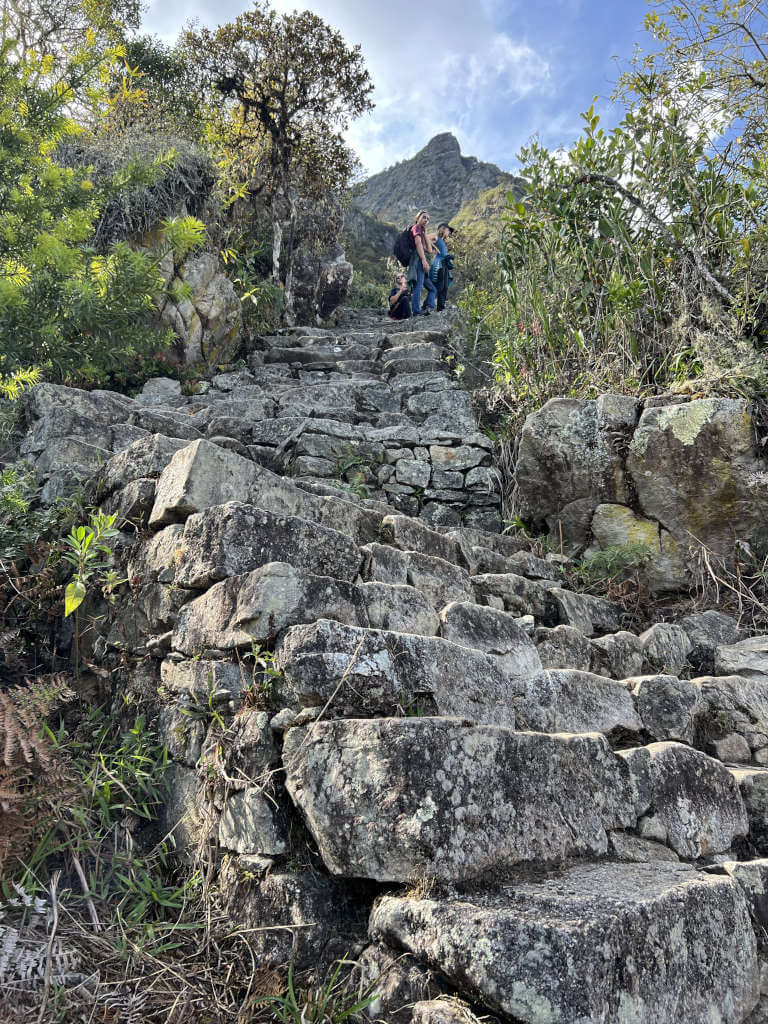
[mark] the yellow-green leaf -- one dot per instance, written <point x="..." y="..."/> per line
<point x="73" y="596"/>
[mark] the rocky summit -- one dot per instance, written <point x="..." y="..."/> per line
<point x="438" y="178"/>
<point x="398" y="733"/>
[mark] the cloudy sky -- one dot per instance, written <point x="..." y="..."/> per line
<point x="493" y="72"/>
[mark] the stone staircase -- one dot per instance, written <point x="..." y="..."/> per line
<point x="398" y="731"/>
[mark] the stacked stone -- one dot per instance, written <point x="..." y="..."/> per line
<point x="376" y="414"/>
<point x="434" y="705"/>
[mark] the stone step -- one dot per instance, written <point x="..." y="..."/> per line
<point x="597" y="944"/>
<point x="204" y="475"/>
<point x="400" y="798"/>
<point x="231" y="539"/>
<point x="355" y="673"/>
<point x="258" y="606"/>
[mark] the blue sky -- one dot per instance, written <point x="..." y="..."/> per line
<point x="493" y="72"/>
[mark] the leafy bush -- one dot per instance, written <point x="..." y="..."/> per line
<point x="637" y="260"/>
<point x="76" y="312"/>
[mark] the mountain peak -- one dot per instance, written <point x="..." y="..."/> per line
<point x="445" y="144"/>
<point x="438" y="179"/>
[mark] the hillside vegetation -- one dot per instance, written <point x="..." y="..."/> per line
<point x="637" y="260"/>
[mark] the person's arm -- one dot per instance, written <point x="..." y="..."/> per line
<point x="420" y="251"/>
<point x="393" y="299"/>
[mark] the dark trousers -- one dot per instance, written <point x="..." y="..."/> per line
<point x="401" y="309"/>
<point x="442" y="287"/>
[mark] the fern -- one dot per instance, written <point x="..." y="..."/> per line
<point x="25" y="938"/>
<point x="32" y="779"/>
<point x="22" y="710"/>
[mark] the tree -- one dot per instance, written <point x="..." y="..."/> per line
<point x="73" y="310"/>
<point x="57" y="27"/>
<point x="714" y="55"/>
<point x="292" y="85"/>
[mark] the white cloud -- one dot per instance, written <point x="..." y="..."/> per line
<point x="440" y="66"/>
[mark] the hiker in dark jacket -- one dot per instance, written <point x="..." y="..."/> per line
<point x="439" y="272"/>
<point x="400" y="299"/>
<point x="418" y="268"/>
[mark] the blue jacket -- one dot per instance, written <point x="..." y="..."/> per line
<point x="437" y="261"/>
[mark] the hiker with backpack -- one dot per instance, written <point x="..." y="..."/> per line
<point x="412" y="247"/>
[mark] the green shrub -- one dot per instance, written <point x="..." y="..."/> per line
<point x="78" y="313"/>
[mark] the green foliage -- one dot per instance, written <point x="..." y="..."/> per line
<point x="116" y="783"/>
<point x="366" y="294"/>
<point x="612" y="564"/>
<point x="329" y="1003"/>
<point x="638" y="257"/>
<point x="22" y="521"/>
<point x="265" y="673"/>
<point x="87" y="548"/>
<point x="262" y="300"/>
<point x="291" y="86"/>
<point x="79" y="313"/>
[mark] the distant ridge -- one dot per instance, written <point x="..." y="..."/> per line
<point x="438" y="178"/>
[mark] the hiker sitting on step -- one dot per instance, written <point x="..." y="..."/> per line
<point x="400" y="299"/>
<point x="418" y="268"/>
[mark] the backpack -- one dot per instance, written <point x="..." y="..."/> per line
<point x="403" y="247"/>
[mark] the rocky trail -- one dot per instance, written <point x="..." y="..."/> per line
<point x="401" y="734"/>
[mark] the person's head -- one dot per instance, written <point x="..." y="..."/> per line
<point x="422" y="218"/>
<point x="400" y="281"/>
<point x="444" y="231"/>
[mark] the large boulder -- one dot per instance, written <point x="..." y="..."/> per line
<point x="569" y="462"/>
<point x="231" y="539"/>
<point x="600" y="944"/>
<point x="208" y="320"/>
<point x="360" y="672"/>
<point x="399" y="798"/>
<point x="564" y="700"/>
<point x="495" y="632"/>
<point x="320" y="285"/>
<point x="695" y="470"/>
<point x="688" y="800"/>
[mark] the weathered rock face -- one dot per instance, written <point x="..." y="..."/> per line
<point x="393" y="799"/>
<point x="361" y="672"/>
<point x="682" y="474"/>
<point x="682" y="479"/>
<point x="569" y="462"/>
<point x="281" y="626"/>
<point x="208" y="322"/>
<point x="563" y="700"/>
<point x="658" y="943"/>
<point x="320" y="285"/>
<point x="687" y="800"/>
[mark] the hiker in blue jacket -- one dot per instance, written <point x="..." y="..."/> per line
<point x="439" y="272"/>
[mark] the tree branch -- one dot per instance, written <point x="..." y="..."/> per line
<point x="606" y="181"/>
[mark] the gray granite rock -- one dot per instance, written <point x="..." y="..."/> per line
<point x="666" y="648"/>
<point x="618" y="655"/>
<point x="707" y="631"/>
<point x="647" y="943"/>
<point x="495" y="632"/>
<point x="667" y="706"/>
<point x="744" y="658"/>
<point x="563" y="647"/>
<point x="565" y="700"/>
<point x="231" y="539"/>
<point x="394" y="799"/>
<point x="689" y="800"/>
<point x="353" y="672"/>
